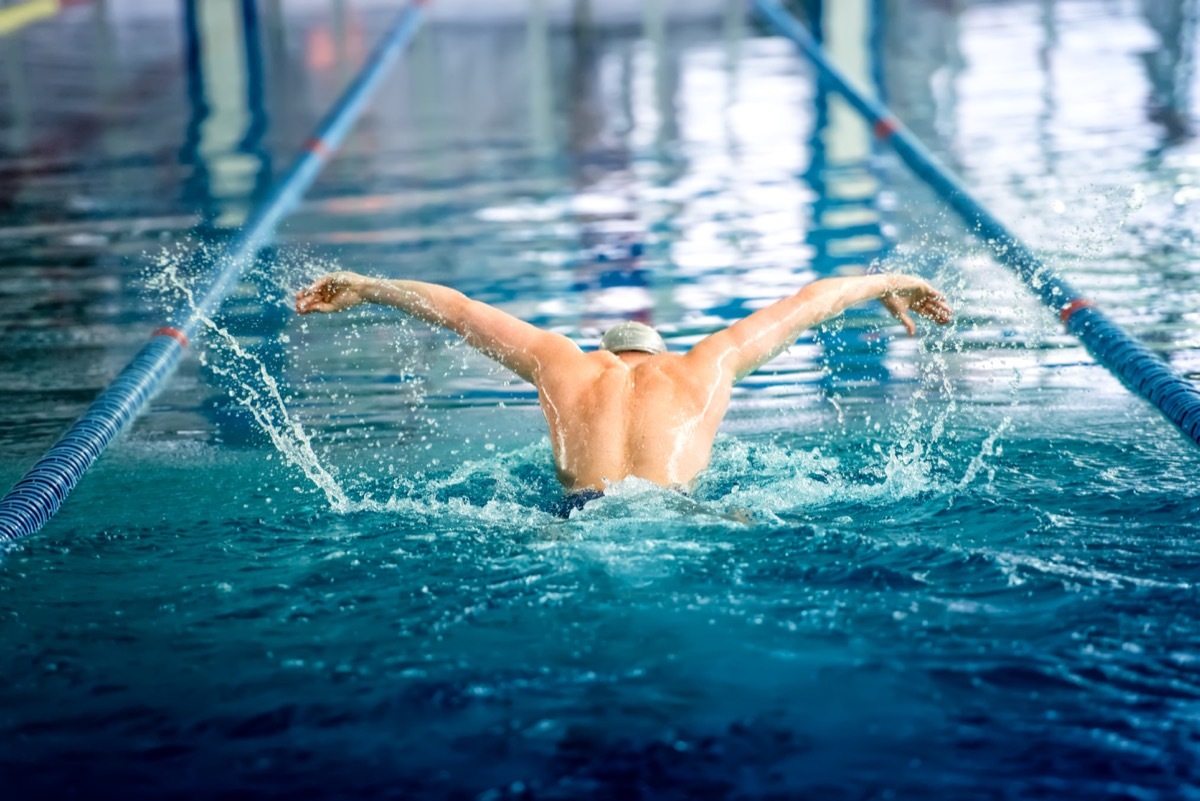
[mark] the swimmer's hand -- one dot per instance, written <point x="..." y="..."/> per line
<point x="334" y="292"/>
<point x="907" y="292"/>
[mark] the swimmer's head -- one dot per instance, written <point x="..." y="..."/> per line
<point x="632" y="336"/>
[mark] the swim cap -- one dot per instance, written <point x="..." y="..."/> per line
<point x="632" y="336"/>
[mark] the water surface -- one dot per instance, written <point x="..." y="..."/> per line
<point x="962" y="566"/>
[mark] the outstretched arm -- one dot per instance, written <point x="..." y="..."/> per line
<point x="751" y="342"/>
<point x="514" y="343"/>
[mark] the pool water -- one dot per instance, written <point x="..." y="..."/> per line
<point x="325" y="561"/>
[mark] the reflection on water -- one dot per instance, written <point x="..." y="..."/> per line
<point x="945" y="567"/>
<point x="1171" y="66"/>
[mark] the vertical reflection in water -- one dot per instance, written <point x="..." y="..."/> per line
<point x="586" y="112"/>
<point x="846" y="235"/>
<point x="430" y="129"/>
<point x="655" y="27"/>
<point x="733" y="30"/>
<point x="609" y="272"/>
<point x="15" y="114"/>
<point x="252" y="142"/>
<point x="105" y="87"/>
<point x="1171" y="70"/>
<point x="541" y="98"/>
<point x="923" y="62"/>
<point x="1171" y="67"/>
<point x="1045" y="116"/>
<point x="876" y="37"/>
<point x="266" y="317"/>
<point x="669" y="160"/>
<point x="195" y="186"/>
<point x="543" y="140"/>
<point x="283" y="78"/>
<point x="16" y="78"/>
<point x="581" y="16"/>
<point x="666" y="89"/>
<point x="341" y="59"/>
<point x="223" y="142"/>
<point x="224" y="145"/>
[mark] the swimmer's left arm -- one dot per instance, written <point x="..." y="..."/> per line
<point x="751" y="342"/>
<point x="514" y="343"/>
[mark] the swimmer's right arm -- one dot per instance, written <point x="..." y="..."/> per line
<point x="341" y="291"/>
<point x="514" y="343"/>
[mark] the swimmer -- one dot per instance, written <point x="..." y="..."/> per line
<point x="630" y="408"/>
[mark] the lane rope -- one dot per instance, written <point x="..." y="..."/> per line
<point x="1140" y="370"/>
<point x="41" y="491"/>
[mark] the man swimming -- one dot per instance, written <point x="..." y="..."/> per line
<point x="630" y="408"/>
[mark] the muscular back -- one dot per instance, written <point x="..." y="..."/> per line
<point x="613" y="416"/>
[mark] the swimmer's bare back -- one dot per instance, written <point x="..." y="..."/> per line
<point x="616" y="415"/>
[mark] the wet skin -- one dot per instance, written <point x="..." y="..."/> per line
<point x="613" y="416"/>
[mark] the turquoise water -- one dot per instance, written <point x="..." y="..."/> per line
<point x="962" y="566"/>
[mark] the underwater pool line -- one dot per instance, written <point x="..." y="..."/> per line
<point x="38" y="495"/>
<point x="1139" y="369"/>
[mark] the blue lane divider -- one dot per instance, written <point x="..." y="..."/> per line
<point x="1140" y="370"/>
<point x="39" y="494"/>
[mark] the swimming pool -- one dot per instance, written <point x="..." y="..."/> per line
<point x="970" y="570"/>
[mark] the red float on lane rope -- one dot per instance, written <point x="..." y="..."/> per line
<point x="885" y="127"/>
<point x="173" y="333"/>
<point x="1073" y="307"/>
<point x="317" y="147"/>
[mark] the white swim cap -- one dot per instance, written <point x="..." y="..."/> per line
<point x="632" y="336"/>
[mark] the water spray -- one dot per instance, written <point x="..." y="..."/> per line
<point x="39" y="494"/>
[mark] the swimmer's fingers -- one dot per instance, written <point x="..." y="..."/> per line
<point x="934" y="307"/>
<point x="917" y="295"/>
<point x="314" y="306"/>
<point x="898" y="306"/>
<point x="311" y="300"/>
<point x="330" y="293"/>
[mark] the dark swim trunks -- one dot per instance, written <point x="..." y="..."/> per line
<point x="575" y="500"/>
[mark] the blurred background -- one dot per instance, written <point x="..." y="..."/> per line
<point x="970" y="569"/>
<point x="582" y="161"/>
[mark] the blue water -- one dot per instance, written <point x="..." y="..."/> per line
<point x="963" y="566"/>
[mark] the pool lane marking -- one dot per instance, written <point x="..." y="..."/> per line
<point x="174" y="333"/>
<point x="1142" y="372"/>
<point x="885" y="127"/>
<point x="318" y="148"/>
<point x="35" y="498"/>
<point x="1072" y="307"/>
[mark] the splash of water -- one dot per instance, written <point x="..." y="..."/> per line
<point x="987" y="449"/>
<point x="256" y="390"/>
<point x="906" y="467"/>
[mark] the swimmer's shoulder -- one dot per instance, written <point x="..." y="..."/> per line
<point x="601" y="365"/>
<point x="678" y="367"/>
<point x="576" y="373"/>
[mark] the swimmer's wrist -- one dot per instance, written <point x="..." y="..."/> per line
<point x="367" y="288"/>
<point x="898" y="284"/>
